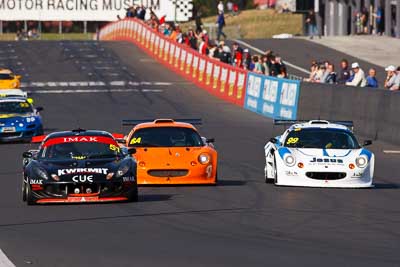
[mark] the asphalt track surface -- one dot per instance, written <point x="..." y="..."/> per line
<point x="240" y="222"/>
<point x="301" y="52"/>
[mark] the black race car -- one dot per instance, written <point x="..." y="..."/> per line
<point x="79" y="166"/>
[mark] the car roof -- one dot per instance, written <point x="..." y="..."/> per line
<point x="321" y="124"/>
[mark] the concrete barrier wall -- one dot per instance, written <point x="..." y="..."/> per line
<point x="375" y="112"/>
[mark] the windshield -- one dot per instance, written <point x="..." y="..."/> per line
<point x="166" y="137"/>
<point x="6" y="76"/>
<point x="15" y="107"/>
<point x="58" y="149"/>
<point x="321" y="138"/>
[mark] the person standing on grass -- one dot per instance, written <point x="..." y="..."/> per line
<point x="220" y="25"/>
<point x="311" y="21"/>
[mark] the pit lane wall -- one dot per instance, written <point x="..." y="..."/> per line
<point x="270" y="97"/>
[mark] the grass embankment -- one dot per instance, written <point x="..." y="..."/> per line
<point x="51" y="36"/>
<point x="255" y="24"/>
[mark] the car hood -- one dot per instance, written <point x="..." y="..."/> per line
<point x="335" y="153"/>
<point x="66" y="170"/>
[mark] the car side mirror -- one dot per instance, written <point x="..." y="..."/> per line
<point x="210" y="140"/>
<point x="18" y="77"/>
<point x="131" y="151"/>
<point x="27" y="155"/>
<point x="367" y="143"/>
<point x="38" y="109"/>
<point x="273" y="140"/>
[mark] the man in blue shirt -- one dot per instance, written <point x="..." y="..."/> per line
<point x="220" y="24"/>
<point x="371" y="79"/>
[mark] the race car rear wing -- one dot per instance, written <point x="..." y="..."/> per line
<point x="348" y="124"/>
<point x="136" y="122"/>
<point x="38" y="139"/>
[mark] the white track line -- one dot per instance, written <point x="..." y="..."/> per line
<point x="86" y="91"/>
<point x="262" y="52"/>
<point x="391" y="151"/>
<point x="5" y="261"/>
<point x="90" y="83"/>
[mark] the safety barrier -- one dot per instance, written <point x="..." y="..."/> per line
<point x="272" y="97"/>
<point x="220" y="79"/>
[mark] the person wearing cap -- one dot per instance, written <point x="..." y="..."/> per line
<point x="390" y="77"/>
<point x="359" y="76"/>
<point x="396" y="84"/>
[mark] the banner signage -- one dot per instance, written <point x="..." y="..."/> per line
<point x="89" y="10"/>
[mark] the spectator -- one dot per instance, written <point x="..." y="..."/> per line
<point x="364" y="19"/>
<point x="282" y="72"/>
<point x="203" y="47"/>
<point x="274" y="67"/>
<point x="237" y="55"/>
<point x="359" y="76"/>
<point x="225" y="54"/>
<point x="371" y="79"/>
<point x="246" y="59"/>
<point x="220" y="7"/>
<point x="258" y="68"/>
<point x="192" y="40"/>
<point x="198" y="22"/>
<point x="311" y="22"/>
<point x="264" y="62"/>
<point x="396" y="85"/>
<point x="320" y="74"/>
<point x="379" y="27"/>
<point x="344" y="74"/>
<point x="221" y="25"/>
<point x="330" y="77"/>
<point x="390" y="77"/>
<point x="229" y="7"/>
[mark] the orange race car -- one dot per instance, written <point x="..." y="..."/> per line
<point x="8" y="80"/>
<point x="171" y="152"/>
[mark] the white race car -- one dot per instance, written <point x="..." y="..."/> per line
<point x="318" y="153"/>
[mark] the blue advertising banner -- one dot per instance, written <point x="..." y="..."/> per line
<point x="272" y="97"/>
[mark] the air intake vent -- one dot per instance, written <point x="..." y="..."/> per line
<point x="164" y="121"/>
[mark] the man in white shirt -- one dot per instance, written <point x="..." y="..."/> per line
<point x="220" y="7"/>
<point x="359" y="76"/>
<point x="391" y="78"/>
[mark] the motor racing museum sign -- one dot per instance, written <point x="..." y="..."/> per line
<point x="89" y="10"/>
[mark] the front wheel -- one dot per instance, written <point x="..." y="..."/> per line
<point x="133" y="196"/>
<point x="24" y="186"/>
<point x="272" y="180"/>
<point x="30" y="199"/>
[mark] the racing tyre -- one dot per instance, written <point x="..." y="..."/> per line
<point x="273" y="180"/>
<point x="275" y="173"/>
<point x="24" y="191"/>
<point x="30" y="199"/>
<point x="133" y="196"/>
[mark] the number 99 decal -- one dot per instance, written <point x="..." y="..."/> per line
<point x="292" y="140"/>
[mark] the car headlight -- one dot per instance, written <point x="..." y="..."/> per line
<point x="41" y="173"/>
<point x="289" y="160"/>
<point x="204" y="158"/>
<point x="123" y="169"/>
<point x="30" y="119"/>
<point x="361" y="162"/>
